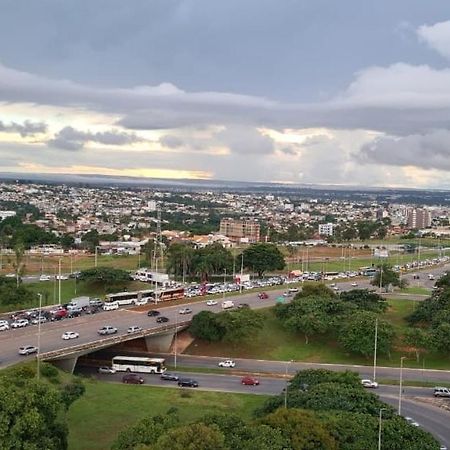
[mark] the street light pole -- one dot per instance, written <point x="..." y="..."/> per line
<point x="375" y="351"/>
<point x="286" y="387"/>
<point x="96" y="256"/>
<point x="59" y="280"/>
<point x="379" y="427"/>
<point x="400" y="386"/>
<point x="39" y="337"/>
<point x="176" y="340"/>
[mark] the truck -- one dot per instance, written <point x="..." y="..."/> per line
<point x="227" y="304"/>
<point x="79" y="302"/>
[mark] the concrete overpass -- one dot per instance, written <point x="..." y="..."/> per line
<point x="154" y="339"/>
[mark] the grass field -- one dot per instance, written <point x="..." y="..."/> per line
<point x="107" y="408"/>
<point x="274" y="342"/>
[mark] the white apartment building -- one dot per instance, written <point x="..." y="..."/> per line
<point x="326" y="229"/>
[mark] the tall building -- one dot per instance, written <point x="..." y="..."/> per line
<point x="326" y="229"/>
<point x="240" y="230"/>
<point x="418" y="218"/>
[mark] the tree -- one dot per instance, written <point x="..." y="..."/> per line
<point x="31" y="417"/>
<point x="196" y="436"/>
<point x="240" y="324"/>
<point x="440" y="337"/>
<point x="179" y="259"/>
<point x="418" y="339"/>
<point x="67" y="241"/>
<point x="206" y="325"/>
<point x="18" y="264"/>
<point x="145" y="432"/>
<point x="91" y="240"/>
<point x="356" y="335"/>
<point x="262" y="257"/>
<point x="302" y="428"/>
<point x="364" y="299"/>
<point x="312" y="289"/>
<point x="312" y="377"/>
<point x="105" y="276"/>
<point x="387" y="276"/>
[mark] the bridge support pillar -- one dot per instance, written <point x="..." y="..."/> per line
<point x="159" y="343"/>
<point x="68" y="364"/>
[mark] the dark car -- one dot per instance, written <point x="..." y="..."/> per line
<point x="162" y="319"/>
<point x="243" y="305"/>
<point x="132" y="378"/>
<point x="187" y="382"/>
<point x="169" y="377"/>
<point x="91" y="310"/>
<point x="250" y="381"/>
<point x="153" y="313"/>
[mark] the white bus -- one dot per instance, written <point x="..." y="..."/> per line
<point x="130" y="298"/>
<point x="138" y="364"/>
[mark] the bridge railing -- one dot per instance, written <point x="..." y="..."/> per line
<point x="111" y="340"/>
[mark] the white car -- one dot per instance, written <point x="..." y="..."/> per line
<point x="354" y="284"/>
<point x="4" y="326"/>
<point x="211" y="303"/>
<point x="70" y="335"/>
<point x="134" y="329"/>
<point x="336" y="288"/>
<point x="412" y="422"/>
<point x="369" y="384"/>
<point x="110" y="306"/>
<point x="106" y="369"/>
<point x="227" y="363"/>
<point x="44" y="278"/>
<point x="20" y="323"/>
<point x="27" y="350"/>
<point x="62" y="277"/>
<point x="185" y="311"/>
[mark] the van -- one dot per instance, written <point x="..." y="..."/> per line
<point x="109" y="306"/>
<point x="227" y="304"/>
<point x="441" y="392"/>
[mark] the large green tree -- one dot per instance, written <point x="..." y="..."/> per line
<point x="109" y="278"/>
<point x="387" y="277"/>
<point x="357" y="333"/>
<point x="263" y="257"/>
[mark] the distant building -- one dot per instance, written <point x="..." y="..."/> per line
<point x="240" y="230"/>
<point x="418" y="218"/>
<point x="326" y="229"/>
<point x="6" y="214"/>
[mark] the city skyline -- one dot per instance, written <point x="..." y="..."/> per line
<point x="318" y="94"/>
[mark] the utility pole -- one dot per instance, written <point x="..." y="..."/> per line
<point x="379" y="427"/>
<point x="375" y="351"/>
<point x="242" y="272"/>
<point x="400" y="386"/>
<point x="59" y="280"/>
<point x="38" y="369"/>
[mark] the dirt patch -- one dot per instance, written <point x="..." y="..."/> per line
<point x="438" y="402"/>
<point x="184" y="340"/>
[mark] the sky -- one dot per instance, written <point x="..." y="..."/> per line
<point x="354" y="92"/>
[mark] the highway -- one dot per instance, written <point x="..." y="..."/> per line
<point x="431" y="418"/>
<point x="87" y="325"/>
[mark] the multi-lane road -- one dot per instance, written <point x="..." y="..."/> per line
<point x="431" y="418"/>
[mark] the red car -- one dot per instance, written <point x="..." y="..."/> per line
<point x="250" y="381"/>
<point x="132" y="378"/>
<point x="263" y="295"/>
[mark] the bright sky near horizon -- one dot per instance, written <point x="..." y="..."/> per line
<point x="295" y="91"/>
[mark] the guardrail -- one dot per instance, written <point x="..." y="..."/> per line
<point x="111" y="340"/>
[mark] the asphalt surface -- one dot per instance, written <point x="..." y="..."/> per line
<point x="430" y="418"/>
<point x="87" y="325"/>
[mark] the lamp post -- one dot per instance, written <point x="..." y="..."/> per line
<point x="286" y="387"/>
<point x="175" y="345"/>
<point x="59" y="280"/>
<point x="375" y="351"/>
<point x="379" y="427"/>
<point x="400" y="386"/>
<point x="39" y="337"/>
<point x="96" y="255"/>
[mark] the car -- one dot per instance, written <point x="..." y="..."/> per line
<point x="45" y="278"/>
<point x="187" y="382"/>
<point x="211" y="303"/>
<point x="263" y="295"/>
<point x="134" y="329"/>
<point x="91" y="309"/>
<point x="416" y="277"/>
<point x="19" y="323"/>
<point x="107" y="329"/>
<point x="227" y="363"/>
<point x="110" y="306"/>
<point x="39" y="319"/>
<point x="95" y="302"/>
<point x="106" y="369"/>
<point x="169" y="376"/>
<point x="27" y="350"/>
<point x="162" y="319"/>
<point x="441" y="392"/>
<point x="332" y="284"/>
<point x="70" y="335"/>
<point x="336" y="288"/>
<point x="4" y="326"/>
<point x="153" y="313"/>
<point x="132" y="378"/>
<point x="412" y="422"/>
<point x="243" y="305"/>
<point x="287" y="294"/>
<point x="62" y="277"/>
<point x="249" y="381"/>
<point x="354" y="284"/>
<point x="369" y="384"/>
<point x="185" y="311"/>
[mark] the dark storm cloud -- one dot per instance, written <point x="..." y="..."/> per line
<point x="25" y="129"/>
<point x="72" y="139"/>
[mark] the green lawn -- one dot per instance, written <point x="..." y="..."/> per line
<point x="106" y="408"/>
<point x="416" y="290"/>
<point x="274" y="342"/>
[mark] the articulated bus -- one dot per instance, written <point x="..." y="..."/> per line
<point x="131" y="298"/>
<point x="170" y="294"/>
<point x="138" y="364"/>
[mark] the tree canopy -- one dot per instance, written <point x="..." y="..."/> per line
<point x="263" y="257"/>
